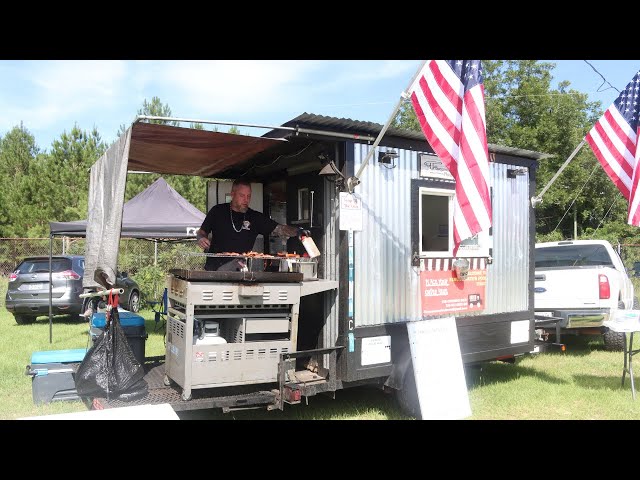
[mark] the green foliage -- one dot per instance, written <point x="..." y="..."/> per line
<point x="151" y="279"/>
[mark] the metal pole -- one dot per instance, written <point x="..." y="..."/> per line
<point x="252" y="125"/>
<point x="215" y="122"/>
<point x="155" y="252"/>
<point x="352" y="182"/>
<point x="538" y="198"/>
<point x="50" y="289"/>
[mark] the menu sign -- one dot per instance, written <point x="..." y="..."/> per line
<point x="444" y="293"/>
<point x="431" y="166"/>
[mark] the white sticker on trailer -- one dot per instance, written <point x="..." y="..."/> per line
<point x="375" y="350"/>
<point x="520" y="331"/>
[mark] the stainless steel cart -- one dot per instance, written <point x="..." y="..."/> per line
<point x="257" y="316"/>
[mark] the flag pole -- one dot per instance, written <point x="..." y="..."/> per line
<point x="354" y="181"/>
<point x="538" y="198"/>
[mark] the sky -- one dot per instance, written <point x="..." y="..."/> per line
<point x="49" y="97"/>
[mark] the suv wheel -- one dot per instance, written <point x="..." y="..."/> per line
<point x="24" y="319"/>
<point x="134" y="302"/>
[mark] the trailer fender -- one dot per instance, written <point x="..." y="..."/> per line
<point x="401" y="358"/>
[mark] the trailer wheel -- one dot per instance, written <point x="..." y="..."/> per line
<point x="407" y="396"/>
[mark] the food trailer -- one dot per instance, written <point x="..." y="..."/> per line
<point x="291" y="327"/>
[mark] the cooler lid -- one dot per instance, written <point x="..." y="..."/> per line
<point x="127" y="319"/>
<point x="58" y="356"/>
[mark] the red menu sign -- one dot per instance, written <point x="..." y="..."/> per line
<point x="442" y="292"/>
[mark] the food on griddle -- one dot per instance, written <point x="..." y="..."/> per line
<point x="288" y="255"/>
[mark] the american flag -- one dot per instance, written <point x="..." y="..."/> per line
<point x="614" y="140"/>
<point x="448" y="98"/>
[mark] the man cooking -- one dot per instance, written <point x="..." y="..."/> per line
<point x="234" y="228"/>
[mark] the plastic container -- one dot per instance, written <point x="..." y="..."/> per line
<point x="133" y="326"/>
<point x="52" y="374"/>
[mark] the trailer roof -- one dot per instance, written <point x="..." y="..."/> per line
<point x="168" y="149"/>
<point x="355" y="127"/>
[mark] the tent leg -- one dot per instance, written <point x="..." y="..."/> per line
<point x="155" y="252"/>
<point x="50" y="290"/>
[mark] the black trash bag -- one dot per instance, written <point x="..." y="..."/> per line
<point x="110" y="369"/>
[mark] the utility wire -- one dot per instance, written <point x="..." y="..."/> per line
<point x="576" y="197"/>
<point x="606" y="214"/>
<point x="604" y="80"/>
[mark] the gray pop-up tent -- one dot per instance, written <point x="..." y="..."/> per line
<point x="158" y="212"/>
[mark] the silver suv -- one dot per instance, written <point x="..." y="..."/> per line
<point x="28" y="289"/>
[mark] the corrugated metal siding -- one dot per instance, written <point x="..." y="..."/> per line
<point x="386" y="284"/>
<point x="508" y="275"/>
<point x="331" y="259"/>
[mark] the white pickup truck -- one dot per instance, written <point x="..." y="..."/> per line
<point x="584" y="283"/>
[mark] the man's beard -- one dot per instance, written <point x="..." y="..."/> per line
<point x="239" y="208"/>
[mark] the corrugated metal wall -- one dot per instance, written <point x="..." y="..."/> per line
<point x="508" y="275"/>
<point x="386" y="285"/>
<point x="331" y="259"/>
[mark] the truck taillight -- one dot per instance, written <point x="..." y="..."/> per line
<point x="13" y="276"/>
<point x="67" y="274"/>
<point x="603" y="287"/>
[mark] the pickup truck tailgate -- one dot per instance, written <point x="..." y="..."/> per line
<point x="575" y="288"/>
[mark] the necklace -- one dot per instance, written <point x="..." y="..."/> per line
<point x="237" y="230"/>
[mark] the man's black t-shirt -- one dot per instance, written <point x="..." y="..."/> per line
<point x="233" y="231"/>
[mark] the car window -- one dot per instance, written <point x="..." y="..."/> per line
<point x="572" y="256"/>
<point x="42" y="265"/>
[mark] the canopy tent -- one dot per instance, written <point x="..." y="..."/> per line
<point x="158" y="212"/>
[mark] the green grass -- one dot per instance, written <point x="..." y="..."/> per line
<point x="581" y="383"/>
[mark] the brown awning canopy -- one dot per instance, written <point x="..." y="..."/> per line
<point x="175" y="150"/>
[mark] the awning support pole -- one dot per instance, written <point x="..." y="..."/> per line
<point x="538" y="198"/>
<point x="50" y="289"/>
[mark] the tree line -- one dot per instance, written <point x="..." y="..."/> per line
<point x="522" y="111"/>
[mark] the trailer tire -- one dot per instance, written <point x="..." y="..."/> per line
<point x="407" y="396"/>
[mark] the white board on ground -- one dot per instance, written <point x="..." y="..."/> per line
<point x="438" y="369"/>
<point x="163" y="411"/>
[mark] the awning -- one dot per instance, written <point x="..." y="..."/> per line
<point x="175" y="150"/>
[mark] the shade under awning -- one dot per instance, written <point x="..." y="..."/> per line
<point x="175" y="150"/>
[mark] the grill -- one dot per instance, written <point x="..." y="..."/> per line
<point x="208" y="276"/>
<point x="257" y="314"/>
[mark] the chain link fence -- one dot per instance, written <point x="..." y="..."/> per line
<point x="134" y="253"/>
<point x="146" y="261"/>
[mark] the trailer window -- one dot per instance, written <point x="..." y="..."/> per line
<point x="435" y="214"/>
<point x="303" y="204"/>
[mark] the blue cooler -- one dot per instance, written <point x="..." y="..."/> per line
<point x="133" y="326"/>
<point x="52" y="374"/>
